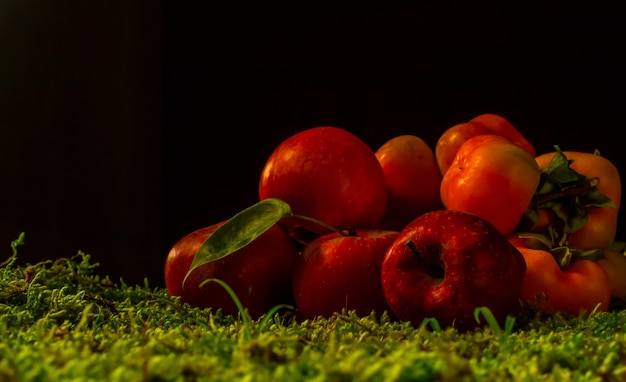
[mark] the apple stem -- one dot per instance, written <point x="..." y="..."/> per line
<point x="350" y="232"/>
<point x="436" y="271"/>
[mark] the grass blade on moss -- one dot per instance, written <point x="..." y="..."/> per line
<point x="270" y="314"/>
<point x="489" y="317"/>
<point x="493" y="323"/>
<point x="434" y="324"/>
<point x="240" y="308"/>
<point x="8" y="264"/>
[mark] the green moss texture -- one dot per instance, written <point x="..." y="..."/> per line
<point x="61" y="321"/>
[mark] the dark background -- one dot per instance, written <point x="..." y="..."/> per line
<point x="127" y="124"/>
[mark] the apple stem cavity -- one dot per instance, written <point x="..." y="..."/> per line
<point x="437" y="271"/>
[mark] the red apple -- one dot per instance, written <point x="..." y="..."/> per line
<point x="413" y="180"/>
<point x="447" y="263"/>
<point x="336" y="272"/>
<point x="260" y="273"/>
<point x="328" y="174"/>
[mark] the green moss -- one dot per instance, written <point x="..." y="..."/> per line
<point x="61" y="321"/>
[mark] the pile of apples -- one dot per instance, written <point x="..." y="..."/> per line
<point x="480" y="220"/>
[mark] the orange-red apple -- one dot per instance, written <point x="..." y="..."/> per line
<point x="600" y="228"/>
<point x="614" y="264"/>
<point x="449" y="142"/>
<point x="413" y="180"/>
<point x="499" y="125"/>
<point x="574" y="286"/>
<point x="492" y="178"/>
<point x="451" y="139"/>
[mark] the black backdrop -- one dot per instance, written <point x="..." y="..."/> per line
<point x="127" y="125"/>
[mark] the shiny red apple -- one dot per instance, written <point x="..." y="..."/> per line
<point x="260" y="273"/>
<point x="447" y="263"/>
<point x="329" y="174"/>
<point x="336" y="272"/>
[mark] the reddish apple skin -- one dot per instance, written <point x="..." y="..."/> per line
<point x="329" y="174"/>
<point x="450" y="140"/>
<point x="489" y="123"/>
<point x="260" y="273"/>
<point x="337" y="272"/>
<point x="499" y="125"/>
<point x="413" y="180"/>
<point x="459" y="262"/>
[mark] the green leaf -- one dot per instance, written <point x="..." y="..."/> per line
<point x="537" y="240"/>
<point x="594" y="198"/>
<point x="567" y="193"/>
<point x="576" y="218"/>
<point x="558" y="174"/>
<point x="592" y="254"/>
<point x="240" y="230"/>
<point x="618" y="246"/>
<point x="562" y="255"/>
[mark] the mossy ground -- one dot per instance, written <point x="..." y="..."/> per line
<point x="61" y="321"/>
